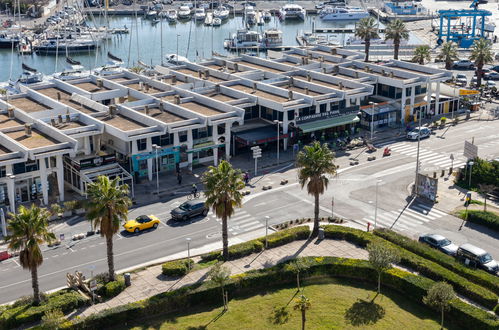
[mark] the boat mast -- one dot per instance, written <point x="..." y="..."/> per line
<point x="161" y="36"/>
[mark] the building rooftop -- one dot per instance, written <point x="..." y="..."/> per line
<point x="218" y="67"/>
<point x="6" y="122"/>
<point x="121" y="122"/>
<point x="4" y="151"/>
<point x="261" y="67"/>
<point x="221" y="97"/>
<point x="257" y="92"/>
<point x="144" y="89"/>
<point x="65" y="98"/>
<point x="195" y="73"/>
<point x="200" y="108"/>
<point x="91" y="87"/>
<point x="321" y="82"/>
<point x="27" y="104"/>
<point x="301" y="90"/>
<point x="36" y="140"/>
<point x="72" y="124"/>
<point x="164" y="116"/>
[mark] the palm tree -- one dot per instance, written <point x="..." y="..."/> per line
<point x="108" y="204"/>
<point x="315" y="163"/>
<point x="396" y="31"/>
<point x="481" y="54"/>
<point x="29" y="228"/>
<point x="367" y="29"/>
<point x="302" y="304"/>
<point x="448" y="54"/>
<point x="421" y="54"/>
<point x="223" y="186"/>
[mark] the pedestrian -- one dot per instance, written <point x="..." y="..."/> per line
<point x="179" y="178"/>
<point x="246" y="178"/>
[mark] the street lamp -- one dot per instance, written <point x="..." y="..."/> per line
<point x="471" y="167"/>
<point x="372" y="104"/>
<point x="376" y="205"/>
<point x="188" y="239"/>
<point x="267" y="218"/>
<point x="156" y="148"/>
<point x="176" y="60"/>
<point x="277" y="122"/>
<point x="417" y="156"/>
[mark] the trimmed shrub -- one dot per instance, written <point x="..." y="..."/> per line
<point x="177" y="267"/>
<point x="412" y="286"/>
<point x="425" y="267"/>
<point x="210" y="256"/>
<point x="245" y="249"/>
<point x="286" y="236"/>
<point x="110" y="289"/>
<point x="484" y="218"/>
<point x="63" y="300"/>
<point x="480" y="277"/>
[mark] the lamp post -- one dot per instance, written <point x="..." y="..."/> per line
<point x="376" y="205"/>
<point x="471" y="167"/>
<point x="188" y="239"/>
<point x="267" y="218"/>
<point x="176" y="60"/>
<point x="372" y="118"/>
<point x="417" y="156"/>
<point x="278" y="123"/>
<point x="156" y="147"/>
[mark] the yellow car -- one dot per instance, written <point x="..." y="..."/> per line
<point x="141" y="223"/>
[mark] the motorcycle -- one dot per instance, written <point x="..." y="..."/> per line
<point x="386" y="152"/>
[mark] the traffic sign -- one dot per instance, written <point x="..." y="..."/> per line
<point x="61" y="237"/>
<point x="93" y="285"/>
<point x="468" y="92"/>
<point x="470" y="150"/>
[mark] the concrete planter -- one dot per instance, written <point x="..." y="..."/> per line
<point x="80" y="211"/>
<point x="67" y="213"/>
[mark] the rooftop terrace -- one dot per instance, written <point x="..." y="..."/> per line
<point x="65" y="98"/>
<point x="91" y="87"/>
<point x="164" y="116"/>
<point x="201" y="108"/>
<point x="121" y="122"/>
<point x="36" y="140"/>
<point x="6" y="122"/>
<point x="27" y="104"/>
<point x="257" y="92"/>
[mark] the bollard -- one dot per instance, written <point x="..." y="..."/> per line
<point x="450" y="171"/>
<point x="321" y="233"/>
<point x="443" y="173"/>
<point x="128" y="279"/>
<point x="435" y="175"/>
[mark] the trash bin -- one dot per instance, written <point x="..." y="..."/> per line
<point x="468" y="114"/>
<point x="128" y="279"/>
<point x="321" y="233"/>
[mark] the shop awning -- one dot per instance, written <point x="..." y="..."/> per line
<point x="258" y="135"/>
<point x="328" y="123"/>
<point x="204" y="146"/>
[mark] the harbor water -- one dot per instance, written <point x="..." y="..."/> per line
<point x="193" y="40"/>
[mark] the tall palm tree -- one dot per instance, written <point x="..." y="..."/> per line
<point x="223" y="186"/>
<point x="421" y="54"/>
<point x="396" y="31"/>
<point x="315" y="163"/>
<point x="29" y="229"/>
<point x="367" y="29"/>
<point x="448" y="54"/>
<point x="108" y="203"/>
<point x="481" y="54"/>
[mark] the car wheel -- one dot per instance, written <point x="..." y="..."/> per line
<point x="205" y="212"/>
<point x="155" y="225"/>
<point x="136" y="230"/>
<point x="185" y="218"/>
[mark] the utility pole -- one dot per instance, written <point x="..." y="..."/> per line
<point x="417" y="157"/>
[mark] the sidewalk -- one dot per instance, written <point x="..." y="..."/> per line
<point x="149" y="282"/>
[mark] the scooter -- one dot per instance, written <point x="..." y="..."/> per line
<point x="386" y="152"/>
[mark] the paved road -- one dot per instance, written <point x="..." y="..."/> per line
<point x="354" y="191"/>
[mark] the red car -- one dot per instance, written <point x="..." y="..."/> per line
<point x="4" y="255"/>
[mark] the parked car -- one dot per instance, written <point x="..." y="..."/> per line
<point x="439" y="242"/>
<point x="495" y="68"/>
<point x="490" y="84"/>
<point x="463" y="64"/>
<point x="141" y="223"/>
<point x="492" y="76"/>
<point x="461" y="80"/>
<point x="477" y="257"/>
<point x="424" y="131"/>
<point x="189" y="210"/>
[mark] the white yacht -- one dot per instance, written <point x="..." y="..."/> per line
<point x="217" y="21"/>
<point x="208" y="19"/>
<point x="244" y="39"/>
<point x="272" y="38"/>
<point x="199" y="15"/>
<point x="73" y="70"/>
<point x="114" y="65"/>
<point x="291" y="11"/>
<point x="249" y="15"/>
<point x="330" y="13"/>
<point x="267" y="16"/>
<point x="171" y="15"/>
<point x="221" y="12"/>
<point x="152" y="14"/>
<point x="184" y="12"/>
<point x="29" y="76"/>
<point x="174" y="60"/>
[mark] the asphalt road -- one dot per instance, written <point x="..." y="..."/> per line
<point x="354" y="192"/>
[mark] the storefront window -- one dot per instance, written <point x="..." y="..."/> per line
<point x="141" y="144"/>
<point x="182" y="136"/>
<point x="323" y="107"/>
<point x="291" y="115"/>
<point x="29" y="166"/>
<point x="2" y="172"/>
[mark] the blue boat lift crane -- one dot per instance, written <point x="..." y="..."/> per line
<point x="465" y="33"/>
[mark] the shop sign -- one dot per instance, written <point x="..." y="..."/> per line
<point x="468" y="92"/>
<point x="152" y="154"/>
<point x="326" y="115"/>
<point x="95" y="161"/>
<point x="204" y="146"/>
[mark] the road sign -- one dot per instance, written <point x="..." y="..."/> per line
<point x="468" y="92"/>
<point x="61" y="237"/>
<point x="93" y="285"/>
<point x="427" y="187"/>
<point x="470" y="150"/>
<point x="257" y="152"/>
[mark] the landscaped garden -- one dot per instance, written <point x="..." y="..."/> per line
<point x="334" y="304"/>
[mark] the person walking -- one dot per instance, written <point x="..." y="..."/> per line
<point x="179" y="178"/>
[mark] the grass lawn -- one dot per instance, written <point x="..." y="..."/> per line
<point x="336" y="304"/>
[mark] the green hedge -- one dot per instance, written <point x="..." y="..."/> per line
<point x="421" y="265"/>
<point x="412" y="286"/>
<point x="177" y="267"/>
<point x="481" y="277"/>
<point x="274" y="240"/>
<point x="484" y="218"/>
<point x="111" y="289"/>
<point x="64" y="300"/>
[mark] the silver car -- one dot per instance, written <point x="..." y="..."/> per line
<point x="423" y="131"/>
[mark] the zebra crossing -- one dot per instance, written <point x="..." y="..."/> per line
<point x="489" y="144"/>
<point x="405" y="219"/>
<point x="241" y="222"/>
<point x="427" y="156"/>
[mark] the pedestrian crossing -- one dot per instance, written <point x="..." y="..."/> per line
<point x="429" y="157"/>
<point x="240" y="222"/>
<point x="405" y="219"/>
<point x="489" y="144"/>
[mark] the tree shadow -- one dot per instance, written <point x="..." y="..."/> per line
<point x="279" y="315"/>
<point x="364" y="312"/>
<point x="219" y="315"/>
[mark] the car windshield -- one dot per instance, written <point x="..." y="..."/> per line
<point x="486" y="258"/>
<point x="444" y="242"/>
<point x="416" y="130"/>
<point x="184" y="207"/>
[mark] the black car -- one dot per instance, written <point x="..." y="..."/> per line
<point x="495" y="68"/>
<point x="189" y="210"/>
<point x="439" y="242"/>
